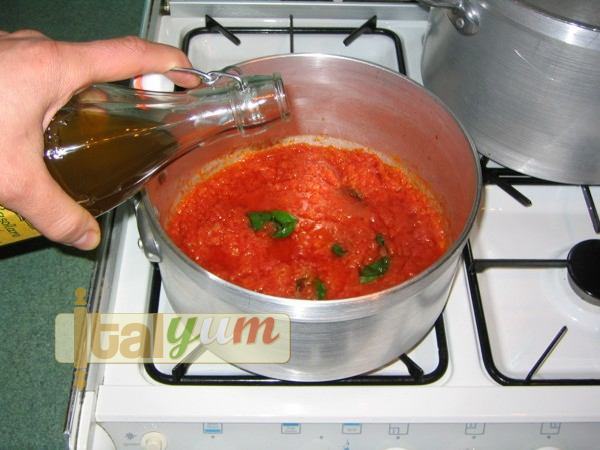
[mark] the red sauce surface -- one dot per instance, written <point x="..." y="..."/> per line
<point x="337" y="196"/>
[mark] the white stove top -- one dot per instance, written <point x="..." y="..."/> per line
<point x="465" y="408"/>
<point x="525" y="308"/>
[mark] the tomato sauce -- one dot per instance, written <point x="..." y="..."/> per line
<point x="361" y="225"/>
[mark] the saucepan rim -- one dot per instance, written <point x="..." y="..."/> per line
<point x="358" y="300"/>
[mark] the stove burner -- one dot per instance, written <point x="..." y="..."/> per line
<point x="583" y="266"/>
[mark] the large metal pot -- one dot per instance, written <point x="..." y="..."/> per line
<point x="372" y="106"/>
<point x="523" y="76"/>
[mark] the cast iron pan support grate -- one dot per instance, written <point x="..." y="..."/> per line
<point x="179" y="376"/>
<point x="505" y="179"/>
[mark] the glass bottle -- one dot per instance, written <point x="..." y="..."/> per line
<point x="108" y="140"/>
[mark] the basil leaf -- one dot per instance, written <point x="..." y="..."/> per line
<point x="355" y="194"/>
<point x="320" y="289"/>
<point x="374" y="270"/>
<point x="301" y="284"/>
<point x="380" y="239"/>
<point x="258" y="219"/>
<point x="284" y="222"/>
<point x="338" y="250"/>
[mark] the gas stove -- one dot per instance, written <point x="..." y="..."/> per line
<point x="513" y="362"/>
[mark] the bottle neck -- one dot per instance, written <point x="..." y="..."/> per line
<point x="220" y="110"/>
<point x="259" y="103"/>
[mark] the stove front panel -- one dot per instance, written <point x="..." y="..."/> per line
<point x="359" y="436"/>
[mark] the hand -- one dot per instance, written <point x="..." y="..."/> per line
<point x="37" y="77"/>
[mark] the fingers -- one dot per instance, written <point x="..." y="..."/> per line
<point x="186" y="80"/>
<point x="58" y="217"/>
<point x="117" y="59"/>
<point x="23" y="34"/>
<point x="34" y="194"/>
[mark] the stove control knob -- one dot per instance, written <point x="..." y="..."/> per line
<point x="153" y="441"/>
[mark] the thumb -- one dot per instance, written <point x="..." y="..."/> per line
<point x="37" y="197"/>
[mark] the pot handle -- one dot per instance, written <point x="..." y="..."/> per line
<point x="147" y="242"/>
<point x="463" y="15"/>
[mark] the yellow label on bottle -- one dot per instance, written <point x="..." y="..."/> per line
<point x="14" y="228"/>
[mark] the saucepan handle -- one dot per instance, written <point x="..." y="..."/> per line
<point x="147" y="241"/>
<point x="462" y="13"/>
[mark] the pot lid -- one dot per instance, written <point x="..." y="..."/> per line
<point x="580" y="12"/>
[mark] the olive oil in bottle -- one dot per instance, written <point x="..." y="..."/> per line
<point x="108" y="140"/>
<point x="118" y="154"/>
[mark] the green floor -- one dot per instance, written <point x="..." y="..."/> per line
<point x="37" y="278"/>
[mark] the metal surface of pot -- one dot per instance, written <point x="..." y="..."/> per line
<point x="523" y="77"/>
<point x="376" y="108"/>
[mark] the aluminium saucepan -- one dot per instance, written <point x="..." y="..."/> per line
<point x="377" y="108"/>
<point x="523" y="77"/>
